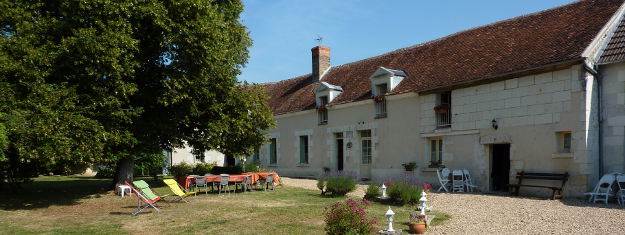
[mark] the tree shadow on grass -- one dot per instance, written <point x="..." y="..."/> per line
<point x="53" y="190"/>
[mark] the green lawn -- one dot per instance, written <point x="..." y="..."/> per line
<point x="78" y="205"/>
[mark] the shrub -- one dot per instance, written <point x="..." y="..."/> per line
<point x="349" y="217"/>
<point x="105" y="171"/>
<point x="252" y="167"/>
<point x="341" y="185"/>
<point x="203" y="168"/>
<point x="321" y="185"/>
<point x="373" y="192"/>
<point x="181" y="170"/>
<point x="404" y="193"/>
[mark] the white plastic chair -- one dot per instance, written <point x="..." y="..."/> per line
<point x="269" y="181"/>
<point x="213" y="184"/>
<point x="224" y="183"/>
<point x="620" y="180"/>
<point x="443" y="179"/>
<point x="246" y="183"/>
<point x="467" y="181"/>
<point x="457" y="181"/>
<point x="200" y="182"/>
<point x="603" y="190"/>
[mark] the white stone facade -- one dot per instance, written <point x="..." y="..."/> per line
<point x="530" y="111"/>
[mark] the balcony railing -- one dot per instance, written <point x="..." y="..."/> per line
<point x="443" y="115"/>
<point x="322" y="115"/>
<point x="380" y="106"/>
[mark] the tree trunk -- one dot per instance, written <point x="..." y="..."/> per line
<point x="125" y="171"/>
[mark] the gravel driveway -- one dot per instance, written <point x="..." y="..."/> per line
<point x="478" y="213"/>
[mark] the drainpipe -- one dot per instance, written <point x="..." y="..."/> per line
<point x="593" y="71"/>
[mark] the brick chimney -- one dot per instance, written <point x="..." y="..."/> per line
<point x="320" y="61"/>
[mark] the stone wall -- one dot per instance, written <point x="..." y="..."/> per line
<point x="613" y="97"/>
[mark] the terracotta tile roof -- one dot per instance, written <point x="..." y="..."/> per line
<point x="615" y="51"/>
<point x="523" y="43"/>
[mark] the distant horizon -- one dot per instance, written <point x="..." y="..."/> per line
<point x="282" y="39"/>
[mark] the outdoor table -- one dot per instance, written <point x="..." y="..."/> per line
<point x="255" y="176"/>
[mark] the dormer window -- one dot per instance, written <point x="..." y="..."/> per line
<point x="383" y="81"/>
<point x="442" y="110"/>
<point x="324" y="94"/>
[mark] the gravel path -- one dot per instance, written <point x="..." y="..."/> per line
<point x="478" y="213"/>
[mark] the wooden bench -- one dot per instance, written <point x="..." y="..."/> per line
<point x="557" y="191"/>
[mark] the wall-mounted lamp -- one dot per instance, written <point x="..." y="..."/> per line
<point x="349" y="145"/>
<point x="494" y="124"/>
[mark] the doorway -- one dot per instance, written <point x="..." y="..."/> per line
<point x="500" y="167"/>
<point x="339" y="153"/>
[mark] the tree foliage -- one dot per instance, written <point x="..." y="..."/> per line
<point x="106" y="81"/>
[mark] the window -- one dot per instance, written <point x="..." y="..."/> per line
<point x="436" y="152"/>
<point x="380" y="101"/>
<point x="273" y="151"/>
<point x="365" y="137"/>
<point x="303" y="149"/>
<point x="443" y="110"/>
<point x="564" y="142"/>
<point x="322" y="111"/>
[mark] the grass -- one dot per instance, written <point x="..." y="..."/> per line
<point x="78" y="205"/>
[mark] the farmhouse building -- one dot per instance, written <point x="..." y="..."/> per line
<point x="540" y="92"/>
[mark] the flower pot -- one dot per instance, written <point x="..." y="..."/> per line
<point x="417" y="228"/>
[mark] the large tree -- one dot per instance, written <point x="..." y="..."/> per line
<point x="110" y="80"/>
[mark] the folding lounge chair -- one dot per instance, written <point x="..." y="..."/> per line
<point x="178" y="191"/>
<point x="145" y="197"/>
<point x="603" y="190"/>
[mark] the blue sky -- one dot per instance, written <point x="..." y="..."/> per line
<point x="283" y="31"/>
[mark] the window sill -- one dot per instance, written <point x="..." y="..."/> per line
<point x="429" y="169"/>
<point x="561" y="155"/>
<point x="380" y="116"/>
<point x="322" y="123"/>
<point x="303" y="165"/>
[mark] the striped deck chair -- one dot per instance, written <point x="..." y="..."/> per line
<point x="145" y="197"/>
<point x="177" y="190"/>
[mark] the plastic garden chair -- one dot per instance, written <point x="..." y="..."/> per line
<point x="467" y="180"/>
<point x="177" y="190"/>
<point x="200" y="182"/>
<point x="443" y="179"/>
<point x="620" y="180"/>
<point x="269" y="181"/>
<point x="145" y="197"/>
<point x="224" y="183"/>
<point x="603" y="190"/>
<point x="457" y="181"/>
<point x="246" y="183"/>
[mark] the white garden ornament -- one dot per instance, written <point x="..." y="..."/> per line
<point x="423" y="201"/>
<point x="384" y="196"/>
<point x="389" y="217"/>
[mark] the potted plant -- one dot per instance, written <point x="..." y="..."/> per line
<point x="442" y="108"/>
<point x="409" y="166"/>
<point x="417" y="224"/>
<point x="378" y="98"/>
